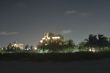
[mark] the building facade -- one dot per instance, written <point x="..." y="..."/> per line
<point x="51" y="38"/>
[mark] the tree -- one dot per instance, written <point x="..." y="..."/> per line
<point x="102" y="41"/>
<point x="26" y="47"/>
<point x="10" y="47"/>
<point x="51" y="42"/>
<point x="13" y="48"/>
<point x="97" y="41"/>
<point x="69" y="44"/>
<point x="91" y="41"/>
<point x="82" y="46"/>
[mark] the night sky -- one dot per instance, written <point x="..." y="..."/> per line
<point x="25" y="21"/>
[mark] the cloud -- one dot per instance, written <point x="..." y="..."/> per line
<point x="84" y="14"/>
<point x="66" y="31"/>
<point x="71" y="12"/>
<point x="8" y="33"/>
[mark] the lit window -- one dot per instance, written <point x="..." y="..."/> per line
<point x="41" y="41"/>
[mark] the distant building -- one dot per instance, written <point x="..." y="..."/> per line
<point x="17" y="45"/>
<point x="51" y="38"/>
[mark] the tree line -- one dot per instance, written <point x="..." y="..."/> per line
<point x="97" y="42"/>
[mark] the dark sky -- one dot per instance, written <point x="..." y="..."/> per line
<point x="26" y="20"/>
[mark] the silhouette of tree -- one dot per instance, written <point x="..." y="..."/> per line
<point x="69" y="44"/>
<point x="82" y="46"/>
<point x="31" y="47"/>
<point x="26" y="47"/>
<point x="96" y="41"/>
<point x="102" y="41"/>
<point x="10" y="47"/>
<point x="92" y="41"/>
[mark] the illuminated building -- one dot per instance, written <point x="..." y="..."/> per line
<point x="51" y="38"/>
<point x="17" y="45"/>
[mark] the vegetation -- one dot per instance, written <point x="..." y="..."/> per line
<point x="95" y="46"/>
<point x="56" y="47"/>
<point x="94" y="43"/>
<point x="46" y="57"/>
<point x="98" y="42"/>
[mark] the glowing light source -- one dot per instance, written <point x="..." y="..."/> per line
<point x="18" y="45"/>
<point x="35" y="48"/>
<point x="46" y="44"/>
<point x="41" y="41"/>
<point x="54" y="38"/>
<point x="43" y="38"/>
<point x="92" y="50"/>
<point x="50" y="37"/>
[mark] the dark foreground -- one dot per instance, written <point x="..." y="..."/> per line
<point x="53" y="57"/>
<point x="55" y="63"/>
<point x="91" y="66"/>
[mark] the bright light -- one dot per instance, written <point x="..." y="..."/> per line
<point x="55" y="38"/>
<point x="28" y="49"/>
<point x="18" y="45"/>
<point x="46" y="44"/>
<point x="92" y="50"/>
<point x="35" y="48"/>
<point x="48" y="38"/>
<point x="41" y="41"/>
<point x="15" y="45"/>
<point x="43" y="38"/>
<point x="41" y="51"/>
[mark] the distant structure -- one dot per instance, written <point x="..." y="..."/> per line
<point x="16" y="45"/>
<point x="50" y="38"/>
